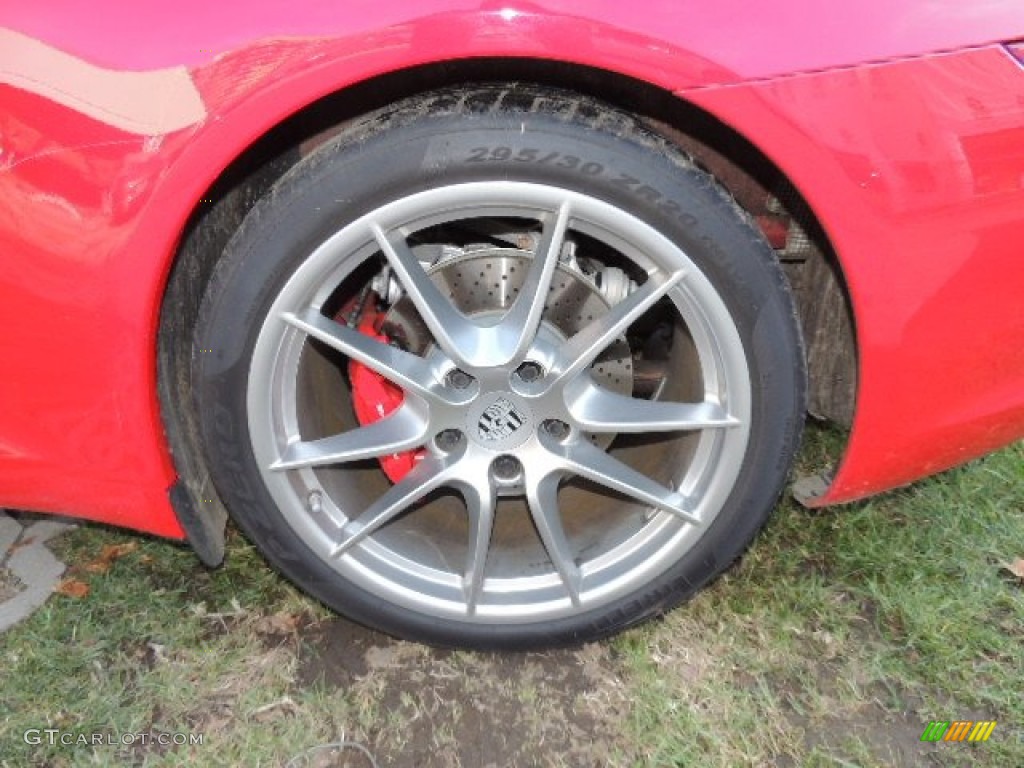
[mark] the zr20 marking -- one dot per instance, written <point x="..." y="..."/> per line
<point x="634" y="186"/>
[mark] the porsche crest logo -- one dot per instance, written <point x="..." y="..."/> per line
<point x="499" y="421"/>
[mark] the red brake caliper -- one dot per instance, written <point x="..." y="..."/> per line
<point x="373" y="396"/>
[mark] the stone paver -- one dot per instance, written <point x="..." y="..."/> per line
<point x="10" y="532"/>
<point x="23" y="554"/>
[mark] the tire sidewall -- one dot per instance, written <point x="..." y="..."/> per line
<point x="364" y="169"/>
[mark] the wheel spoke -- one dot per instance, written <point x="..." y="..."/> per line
<point x="585" y="459"/>
<point x="429" y="474"/>
<point x="542" y="496"/>
<point x="515" y="380"/>
<point x="523" y="318"/>
<point x="460" y="338"/>
<point x="600" y="410"/>
<point x="480" y="507"/>
<point x="401" y="430"/>
<point x="411" y="373"/>
<point x="584" y="347"/>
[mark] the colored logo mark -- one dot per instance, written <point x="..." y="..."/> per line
<point x="958" y="730"/>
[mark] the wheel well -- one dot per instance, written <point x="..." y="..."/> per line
<point x="754" y="181"/>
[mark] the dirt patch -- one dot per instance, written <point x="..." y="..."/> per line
<point x="10" y="585"/>
<point x="445" y="708"/>
<point x="335" y="653"/>
<point x="886" y="721"/>
<point x="892" y="738"/>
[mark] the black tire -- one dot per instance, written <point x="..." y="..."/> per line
<point x="554" y="141"/>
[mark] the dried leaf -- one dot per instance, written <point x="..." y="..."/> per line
<point x="284" y="705"/>
<point x="108" y="555"/>
<point x="114" y="551"/>
<point x="1016" y="568"/>
<point x="280" y="623"/>
<point x="72" y="588"/>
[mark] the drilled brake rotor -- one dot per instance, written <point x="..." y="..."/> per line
<point x="486" y="280"/>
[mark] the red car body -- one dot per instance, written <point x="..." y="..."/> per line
<point x="901" y="123"/>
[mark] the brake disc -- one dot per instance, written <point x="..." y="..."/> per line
<point x="485" y="280"/>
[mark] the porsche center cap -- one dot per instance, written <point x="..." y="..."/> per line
<point x="500" y="422"/>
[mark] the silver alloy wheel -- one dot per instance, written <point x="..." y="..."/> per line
<point x="512" y="436"/>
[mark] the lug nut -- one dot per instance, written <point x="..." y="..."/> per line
<point x="557" y="429"/>
<point x="448" y="439"/>
<point x="315" y="502"/>
<point x="459" y="379"/>
<point x="530" y="371"/>
<point x="506" y="468"/>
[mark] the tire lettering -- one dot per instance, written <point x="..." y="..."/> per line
<point x="530" y="155"/>
<point x="650" y="194"/>
<point x="671" y="207"/>
<point x="625" y="181"/>
<point x="633" y="185"/>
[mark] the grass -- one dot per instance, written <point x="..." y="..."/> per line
<point x="842" y="633"/>
<point x="832" y="643"/>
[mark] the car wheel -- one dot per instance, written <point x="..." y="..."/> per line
<point x="498" y="367"/>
